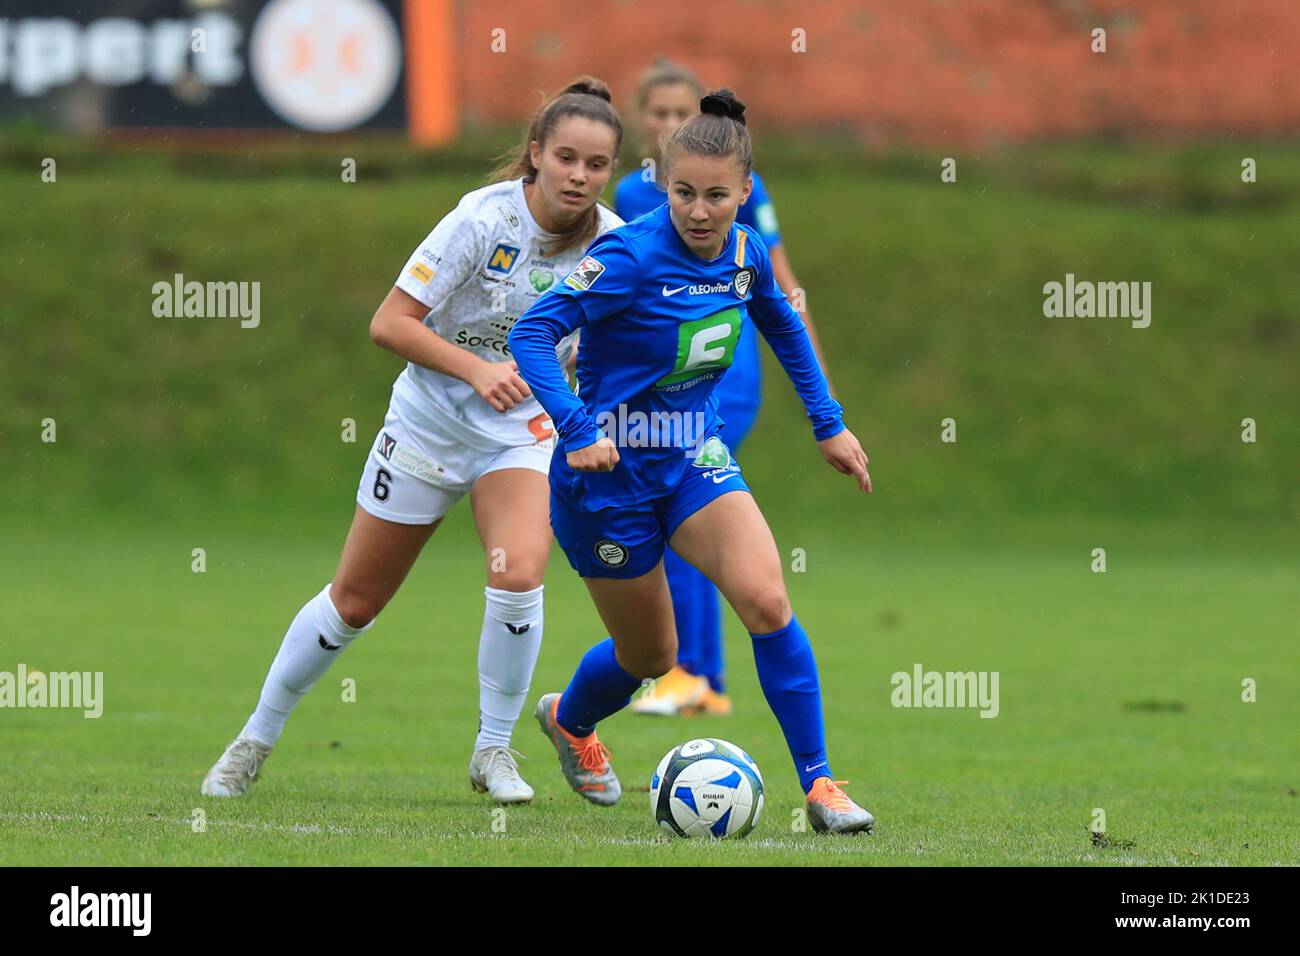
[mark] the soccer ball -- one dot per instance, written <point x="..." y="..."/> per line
<point x="707" y="788"/>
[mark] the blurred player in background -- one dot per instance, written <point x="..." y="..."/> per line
<point x="662" y="302"/>
<point x="461" y="420"/>
<point x="667" y="96"/>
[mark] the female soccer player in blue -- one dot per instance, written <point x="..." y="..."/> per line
<point x="666" y="97"/>
<point x="661" y="303"/>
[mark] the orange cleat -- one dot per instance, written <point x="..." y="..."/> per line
<point x="677" y="692"/>
<point x="711" y="704"/>
<point x="583" y="760"/>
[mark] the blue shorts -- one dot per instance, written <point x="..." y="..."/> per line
<point x="628" y="541"/>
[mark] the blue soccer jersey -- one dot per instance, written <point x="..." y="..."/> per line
<point x="741" y="391"/>
<point x="660" y="328"/>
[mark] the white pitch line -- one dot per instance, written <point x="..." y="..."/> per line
<point x="818" y="847"/>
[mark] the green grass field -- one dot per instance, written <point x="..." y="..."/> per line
<point x="1120" y="691"/>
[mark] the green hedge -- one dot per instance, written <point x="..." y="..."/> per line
<point x="928" y="297"/>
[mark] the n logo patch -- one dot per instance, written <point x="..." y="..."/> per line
<point x="503" y="258"/>
<point x="704" y="345"/>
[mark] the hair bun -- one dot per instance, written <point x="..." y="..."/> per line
<point x="723" y="103"/>
<point x="590" y="86"/>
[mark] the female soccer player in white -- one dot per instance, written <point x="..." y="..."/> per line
<point x="661" y="303"/>
<point x="461" y="420"/>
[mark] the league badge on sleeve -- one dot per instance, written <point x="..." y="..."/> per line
<point x="744" y="279"/>
<point x="585" y="275"/>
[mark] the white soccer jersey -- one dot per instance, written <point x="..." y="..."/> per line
<point x="478" y="271"/>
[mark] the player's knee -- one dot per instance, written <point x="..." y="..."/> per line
<point x="356" y="609"/>
<point x="767" y="609"/>
<point x="660" y="664"/>
<point x="650" y="663"/>
<point x="523" y="574"/>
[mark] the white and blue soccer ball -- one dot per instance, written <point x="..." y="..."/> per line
<point x="707" y="788"/>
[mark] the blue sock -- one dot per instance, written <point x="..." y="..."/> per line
<point x="698" y="614"/>
<point x="787" y="673"/>
<point x="600" y="687"/>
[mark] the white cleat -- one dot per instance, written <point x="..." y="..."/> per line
<point x="831" y="811"/>
<point x="235" y="772"/>
<point x="493" y="771"/>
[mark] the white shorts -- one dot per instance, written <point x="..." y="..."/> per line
<point x="416" y="475"/>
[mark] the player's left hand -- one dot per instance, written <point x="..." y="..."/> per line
<point x="846" y="456"/>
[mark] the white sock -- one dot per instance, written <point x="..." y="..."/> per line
<point x="304" y="656"/>
<point x="507" y="653"/>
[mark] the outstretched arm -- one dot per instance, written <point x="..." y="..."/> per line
<point x="789" y="282"/>
<point x="769" y="231"/>
<point x="785" y="333"/>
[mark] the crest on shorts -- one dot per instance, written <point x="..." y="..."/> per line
<point x="744" y="279"/>
<point x="611" y="553"/>
<point x="713" y="454"/>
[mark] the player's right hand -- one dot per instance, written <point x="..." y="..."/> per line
<point x="499" y="384"/>
<point x="602" y="455"/>
<point x="846" y="456"/>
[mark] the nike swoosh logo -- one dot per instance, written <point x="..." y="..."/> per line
<point x="666" y="292"/>
<point x="718" y="481"/>
<point x="814" y="767"/>
<point x="325" y="644"/>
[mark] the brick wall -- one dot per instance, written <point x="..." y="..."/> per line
<point x="931" y="71"/>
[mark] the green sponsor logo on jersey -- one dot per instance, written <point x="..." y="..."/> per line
<point x="713" y="454"/>
<point x="704" y="345"/>
<point x="542" y="279"/>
